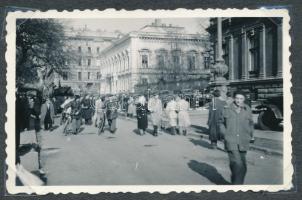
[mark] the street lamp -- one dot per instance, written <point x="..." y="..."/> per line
<point x="220" y="68"/>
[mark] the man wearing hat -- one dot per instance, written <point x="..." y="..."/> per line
<point x="236" y="124"/>
<point x="156" y="108"/>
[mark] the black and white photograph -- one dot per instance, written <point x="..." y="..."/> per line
<point x="183" y="100"/>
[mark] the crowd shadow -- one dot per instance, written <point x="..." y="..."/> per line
<point x="208" y="171"/>
<point x="201" y="143"/>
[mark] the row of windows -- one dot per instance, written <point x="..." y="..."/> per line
<point x="98" y="76"/>
<point x="88" y="49"/>
<point x="176" y="61"/>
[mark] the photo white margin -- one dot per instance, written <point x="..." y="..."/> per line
<point x="10" y="57"/>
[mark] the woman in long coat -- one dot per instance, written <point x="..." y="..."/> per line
<point x="156" y="108"/>
<point x="183" y="116"/>
<point x="141" y="113"/>
<point x="215" y="111"/>
<point x="172" y="114"/>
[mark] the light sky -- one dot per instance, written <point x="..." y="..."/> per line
<point x="192" y="25"/>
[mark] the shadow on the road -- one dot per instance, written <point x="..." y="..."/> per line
<point x="136" y="131"/>
<point x="110" y="137"/>
<point x="54" y="128"/>
<point x="81" y="129"/>
<point x="24" y="149"/>
<point x="200" y="129"/>
<point x="208" y="171"/>
<point x="201" y="143"/>
<point x="204" y="144"/>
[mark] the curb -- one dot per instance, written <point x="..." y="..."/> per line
<point x="264" y="150"/>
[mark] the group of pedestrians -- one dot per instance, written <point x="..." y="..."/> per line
<point x="229" y="120"/>
<point x="88" y="110"/>
<point x="175" y="112"/>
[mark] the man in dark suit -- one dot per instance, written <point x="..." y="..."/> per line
<point x="236" y="124"/>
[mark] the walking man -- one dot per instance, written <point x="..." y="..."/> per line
<point x="215" y="110"/>
<point x="111" y="112"/>
<point x="236" y="123"/>
<point x="47" y="114"/>
<point x="156" y="108"/>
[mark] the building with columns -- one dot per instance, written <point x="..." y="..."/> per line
<point x="156" y="57"/>
<point x="252" y="50"/>
<point x="83" y="68"/>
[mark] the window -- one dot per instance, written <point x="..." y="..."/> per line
<point x="191" y="62"/>
<point x="144" y="81"/>
<point x="79" y="49"/>
<point x="98" y="75"/>
<point x="145" y="61"/>
<point x="176" y="60"/>
<point x="206" y="62"/>
<point x="253" y="55"/>
<point x="79" y="76"/>
<point x="160" y="61"/>
<point x="89" y="62"/>
<point x="65" y="76"/>
<point x="88" y="75"/>
<point x="89" y="49"/>
<point x="98" y="49"/>
<point x="80" y="61"/>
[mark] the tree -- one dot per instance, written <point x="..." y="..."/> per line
<point x="40" y="52"/>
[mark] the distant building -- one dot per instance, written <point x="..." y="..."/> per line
<point x="83" y="73"/>
<point x="252" y="49"/>
<point x="156" y="57"/>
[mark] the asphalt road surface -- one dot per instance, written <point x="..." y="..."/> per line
<point x="125" y="158"/>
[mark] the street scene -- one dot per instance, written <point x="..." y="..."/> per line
<point x="192" y="101"/>
<point x="125" y="158"/>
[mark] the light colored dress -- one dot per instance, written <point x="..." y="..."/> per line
<point x="183" y="115"/>
<point x="171" y="111"/>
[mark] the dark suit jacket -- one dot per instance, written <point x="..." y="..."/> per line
<point x="237" y="128"/>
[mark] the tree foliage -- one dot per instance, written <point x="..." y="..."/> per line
<point x="40" y="51"/>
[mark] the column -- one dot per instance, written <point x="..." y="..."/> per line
<point x="262" y="53"/>
<point x="279" y="50"/>
<point x="231" y="58"/>
<point x="244" y="55"/>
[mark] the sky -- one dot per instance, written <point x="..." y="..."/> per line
<point x="192" y="25"/>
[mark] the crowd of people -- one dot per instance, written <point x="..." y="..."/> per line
<point x="230" y="118"/>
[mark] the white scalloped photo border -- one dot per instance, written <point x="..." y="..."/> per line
<point x="10" y="57"/>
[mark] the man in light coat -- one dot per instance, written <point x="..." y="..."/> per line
<point x="236" y="124"/>
<point x="156" y="108"/>
<point x="172" y="114"/>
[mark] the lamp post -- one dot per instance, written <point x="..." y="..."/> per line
<point x="220" y="68"/>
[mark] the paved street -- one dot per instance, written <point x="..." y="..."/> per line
<point x="127" y="158"/>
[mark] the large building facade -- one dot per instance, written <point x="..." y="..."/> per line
<point x="252" y="49"/>
<point x="83" y="68"/>
<point x="156" y="57"/>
